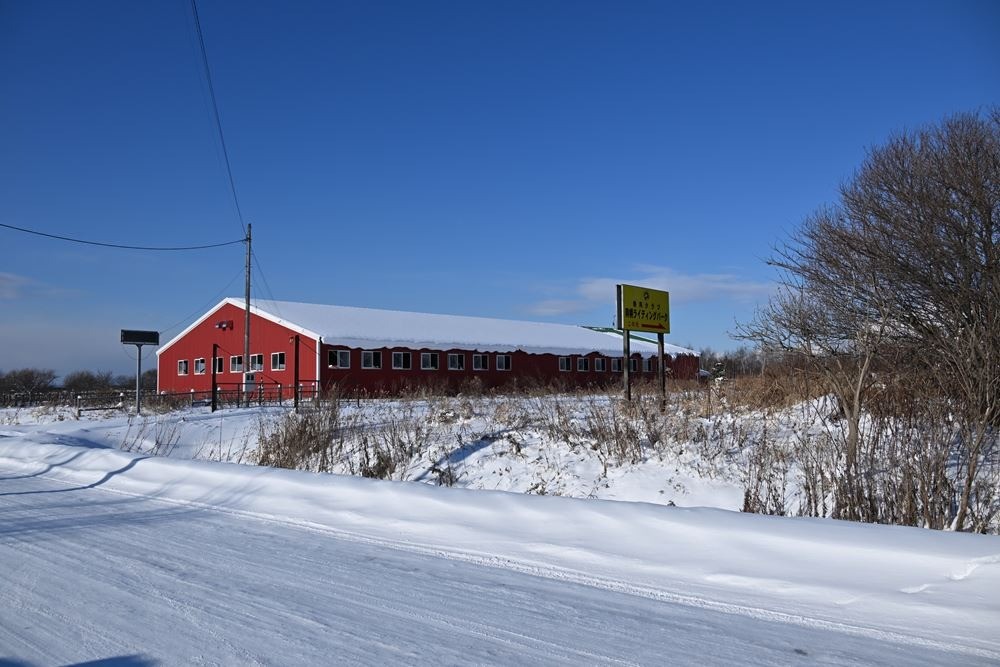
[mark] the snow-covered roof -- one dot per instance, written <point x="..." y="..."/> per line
<point x="372" y="328"/>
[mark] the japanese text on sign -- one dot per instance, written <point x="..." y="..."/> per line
<point x="643" y="309"/>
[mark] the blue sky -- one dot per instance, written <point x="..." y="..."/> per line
<point x="504" y="159"/>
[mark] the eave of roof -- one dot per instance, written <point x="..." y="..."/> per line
<point x="372" y="328"/>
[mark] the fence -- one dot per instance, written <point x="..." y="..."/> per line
<point x="228" y="395"/>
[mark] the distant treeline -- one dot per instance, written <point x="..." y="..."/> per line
<point x="42" y="380"/>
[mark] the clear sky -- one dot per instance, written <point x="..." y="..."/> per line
<point x="505" y="159"/>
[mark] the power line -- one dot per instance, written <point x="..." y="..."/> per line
<point x="215" y="111"/>
<point x="188" y="318"/>
<point x="260" y="271"/>
<point x="120" y="246"/>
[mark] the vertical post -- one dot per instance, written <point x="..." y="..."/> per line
<point x="295" y="373"/>
<point x="138" y="379"/>
<point x="626" y="347"/>
<point x="661" y="368"/>
<point x="246" y="321"/>
<point x="215" y="379"/>
<point x="627" y="363"/>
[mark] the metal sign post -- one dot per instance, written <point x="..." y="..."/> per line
<point x="661" y="369"/>
<point x="626" y="348"/>
<point x="139" y="338"/>
<point x="644" y="309"/>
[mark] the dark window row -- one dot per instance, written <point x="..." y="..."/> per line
<point x="429" y="361"/>
<point x="601" y="364"/>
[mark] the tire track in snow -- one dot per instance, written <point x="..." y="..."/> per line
<point x="557" y="573"/>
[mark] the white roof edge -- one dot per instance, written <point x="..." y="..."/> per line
<point x="669" y="349"/>
<point x="274" y="318"/>
<point x="239" y="304"/>
<point x="390" y="341"/>
<point x="190" y="327"/>
<point x="378" y="333"/>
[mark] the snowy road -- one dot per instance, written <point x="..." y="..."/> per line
<point x="90" y="574"/>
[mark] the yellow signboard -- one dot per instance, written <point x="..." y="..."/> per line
<point x="643" y="309"/>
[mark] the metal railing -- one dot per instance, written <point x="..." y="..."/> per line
<point x="228" y="395"/>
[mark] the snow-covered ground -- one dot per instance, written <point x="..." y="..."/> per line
<point x="109" y="554"/>
<point x="479" y="445"/>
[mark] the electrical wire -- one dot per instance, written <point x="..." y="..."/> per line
<point x="145" y="356"/>
<point x="190" y="317"/>
<point x="267" y="287"/>
<point x="186" y="319"/>
<point x="120" y="246"/>
<point x="215" y="111"/>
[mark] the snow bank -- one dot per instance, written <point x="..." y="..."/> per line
<point x="797" y="570"/>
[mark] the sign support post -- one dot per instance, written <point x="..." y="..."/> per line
<point x="139" y="338"/>
<point x="627" y="368"/>
<point x="138" y="378"/>
<point x="661" y="369"/>
<point x="626" y="347"/>
<point x="644" y="309"/>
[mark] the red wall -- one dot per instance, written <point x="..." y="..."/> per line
<point x="267" y="337"/>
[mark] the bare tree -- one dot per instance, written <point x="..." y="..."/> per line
<point x="904" y="270"/>
<point x="27" y="381"/>
<point x="148" y="380"/>
<point x="77" y="381"/>
<point x="926" y="215"/>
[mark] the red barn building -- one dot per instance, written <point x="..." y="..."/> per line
<point x="363" y="349"/>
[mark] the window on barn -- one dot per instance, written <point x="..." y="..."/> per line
<point x="401" y="361"/>
<point x="480" y="362"/>
<point x="456" y="362"/>
<point x="220" y="365"/>
<point x="236" y="363"/>
<point x="503" y="362"/>
<point x="564" y="364"/>
<point x="256" y="362"/>
<point x="371" y="359"/>
<point x="338" y="359"/>
<point x="647" y="365"/>
<point x="277" y="361"/>
<point x="429" y="361"/>
<point x="199" y="366"/>
<point x="633" y="365"/>
<point x="616" y="365"/>
<point x="182" y="367"/>
<point x="600" y="365"/>
<point x="582" y="364"/>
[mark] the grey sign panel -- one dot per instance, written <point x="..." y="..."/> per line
<point x="132" y="337"/>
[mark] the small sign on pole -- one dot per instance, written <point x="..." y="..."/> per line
<point x="135" y="337"/>
<point x="139" y="338"/>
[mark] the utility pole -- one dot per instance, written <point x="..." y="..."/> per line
<point x="295" y="380"/>
<point x="246" y="323"/>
